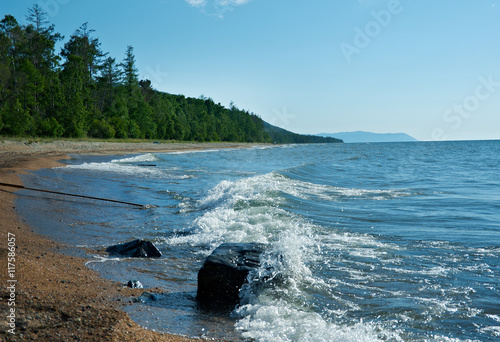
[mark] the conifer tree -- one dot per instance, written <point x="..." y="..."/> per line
<point x="40" y="51"/>
<point x="73" y="113"/>
<point x="83" y="56"/>
<point x="16" y="116"/>
<point x="108" y="81"/>
<point x="82" y="44"/>
<point x="130" y="71"/>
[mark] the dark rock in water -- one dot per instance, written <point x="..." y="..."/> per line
<point x="146" y="297"/>
<point x="136" y="249"/>
<point x="225" y="271"/>
<point x="135" y="284"/>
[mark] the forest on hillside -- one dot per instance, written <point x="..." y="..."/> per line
<point x="83" y="92"/>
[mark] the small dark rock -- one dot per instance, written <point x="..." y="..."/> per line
<point x="225" y="271"/>
<point x="146" y="297"/>
<point x="136" y="249"/>
<point x="135" y="284"/>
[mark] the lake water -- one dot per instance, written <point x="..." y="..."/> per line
<point x="377" y="242"/>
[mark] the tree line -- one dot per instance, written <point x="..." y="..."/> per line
<point x="83" y="92"/>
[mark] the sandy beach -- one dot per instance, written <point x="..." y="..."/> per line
<point x="50" y="296"/>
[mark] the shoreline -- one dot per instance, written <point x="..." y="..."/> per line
<point x="16" y="150"/>
<point x="55" y="297"/>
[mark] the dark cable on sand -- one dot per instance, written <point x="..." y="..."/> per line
<point x="82" y="196"/>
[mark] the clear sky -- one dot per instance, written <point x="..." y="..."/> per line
<point x="428" y="68"/>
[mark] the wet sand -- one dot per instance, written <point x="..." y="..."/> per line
<point x="55" y="297"/>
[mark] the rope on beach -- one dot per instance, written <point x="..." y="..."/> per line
<point x="67" y="194"/>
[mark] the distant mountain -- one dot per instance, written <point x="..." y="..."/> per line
<point x="360" y="137"/>
<point x="282" y="136"/>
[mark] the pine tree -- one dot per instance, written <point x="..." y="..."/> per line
<point x="37" y="17"/>
<point x="130" y="71"/>
<point x="73" y="114"/>
<point x="18" y="81"/>
<point x="42" y="41"/>
<point x="14" y="37"/>
<point x="40" y="53"/>
<point x="5" y="75"/>
<point x="83" y="59"/>
<point x="108" y="81"/>
<point x="88" y="48"/>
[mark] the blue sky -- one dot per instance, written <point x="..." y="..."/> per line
<point x="427" y="68"/>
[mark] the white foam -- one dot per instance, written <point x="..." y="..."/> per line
<point x="264" y="147"/>
<point x="124" y="166"/>
<point x="494" y="317"/>
<point x="114" y="167"/>
<point x="437" y="307"/>
<point x="228" y="225"/>
<point x="278" y="322"/>
<point x="148" y="157"/>
<point x="194" y="151"/>
<point x="493" y="330"/>
<point x="268" y="188"/>
<point x="102" y="259"/>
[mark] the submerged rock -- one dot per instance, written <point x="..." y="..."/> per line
<point x="135" y="249"/>
<point x="225" y="271"/>
<point x="146" y="297"/>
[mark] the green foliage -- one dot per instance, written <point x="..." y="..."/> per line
<point x="74" y="114"/>
<point x="134" y="131"/>
<point x="81" y="93"/>
<point x="107" y="82"/>
<point x="18" y="121"/>
<point x="49" y="127"/>
<point x="130" y="72"/>
<point x="120" y="126"/>
<point x="101" y="129"/>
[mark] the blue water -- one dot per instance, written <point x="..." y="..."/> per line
<point x="379" y="242"/>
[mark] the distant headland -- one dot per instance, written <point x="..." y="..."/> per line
<point x="364" y="137"/>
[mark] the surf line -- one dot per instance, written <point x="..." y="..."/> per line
<point x="74" y="195"/>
